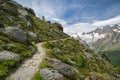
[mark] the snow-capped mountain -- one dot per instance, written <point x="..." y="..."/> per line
<point x="104" y="40"/>
<point x="100" y="33"/>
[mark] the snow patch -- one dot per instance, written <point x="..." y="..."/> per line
<point x="91" y="38"/>
<point x="116" y="30"/>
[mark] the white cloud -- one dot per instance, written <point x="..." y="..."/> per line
<point x="61" y="21"/>
<point x="55" y="9"/>
<point x="78" y="27"/>
<point x="114" y="20"/>
<point x="43" y="8"/>
<point x="86" y="27"/>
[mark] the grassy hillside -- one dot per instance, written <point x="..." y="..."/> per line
<point x="14" y="15"/>
<point x="73" y="53"/>
<point x="20" y="30"/>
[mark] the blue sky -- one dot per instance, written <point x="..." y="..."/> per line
<point x="77" y="15"/>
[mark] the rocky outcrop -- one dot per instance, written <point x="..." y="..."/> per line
<point x="51" y="74"/>
<point x="32" y="36"/>
<point x="5" y="55"/>
<point x="61" y="67"/>
<point x="17" y="34"/>
<point x="57" y="26"/>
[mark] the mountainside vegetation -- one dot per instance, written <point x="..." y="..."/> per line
<point x="86" y="63"/>
<point x="65" y="59"/>
<point x="20" y="29"/>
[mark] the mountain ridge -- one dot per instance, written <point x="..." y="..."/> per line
<point x="103" y="40"/>
<point x="65" y="58"/>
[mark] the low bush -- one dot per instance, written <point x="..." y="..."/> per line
<point x="37" y="76"/>
<point x="80" y="60"/>
<point x="5" y="65"/>
<point x="44" y="65"/>
<point x="118" y="69"/>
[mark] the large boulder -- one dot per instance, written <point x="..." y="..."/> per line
<point x="5" y="55"/>
<point x="50" y="74"/>
<point x="17" y="34"/>
<point x="62" y="68"/>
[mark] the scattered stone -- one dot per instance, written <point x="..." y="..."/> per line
<point x="50" y="74"/>
<point x="62" y="68"/>
<point x="5" y="55"/>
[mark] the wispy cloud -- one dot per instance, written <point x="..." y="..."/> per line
<point x="78" y="27"/>
<point x="112" y="11"/>
<point x="48" y="8"/>
<point x="86" y="27"/>
<point x="77" y="15"/>
<point x="61" y="21"/>
<point x="110" y="21"/>
<point x="43" y="9"/>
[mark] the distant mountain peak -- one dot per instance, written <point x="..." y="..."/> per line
<point x="105" y="40"/>
<point x="100" y="33"/>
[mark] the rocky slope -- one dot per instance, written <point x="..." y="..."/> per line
<point x="66" y="58"/>
<point x="71" y="60"/>
<point x="105" y="40"/>
<point x="20" y="29"/>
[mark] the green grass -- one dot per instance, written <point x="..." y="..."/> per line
<point x="19" y="48"/>
<point x="81" y="61"/>
<point x="118" y="69"/>
<point x="69" y="51"/>
<point x="9" y="16"/>
<point x="66" y="50"/>
<point x="5" y="65"/>
<point x="44" y="64"/>
<point x="37" y="76"/>
<point x="8" y="45"/>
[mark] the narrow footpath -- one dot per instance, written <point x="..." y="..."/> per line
<point x="27" y="70"/>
